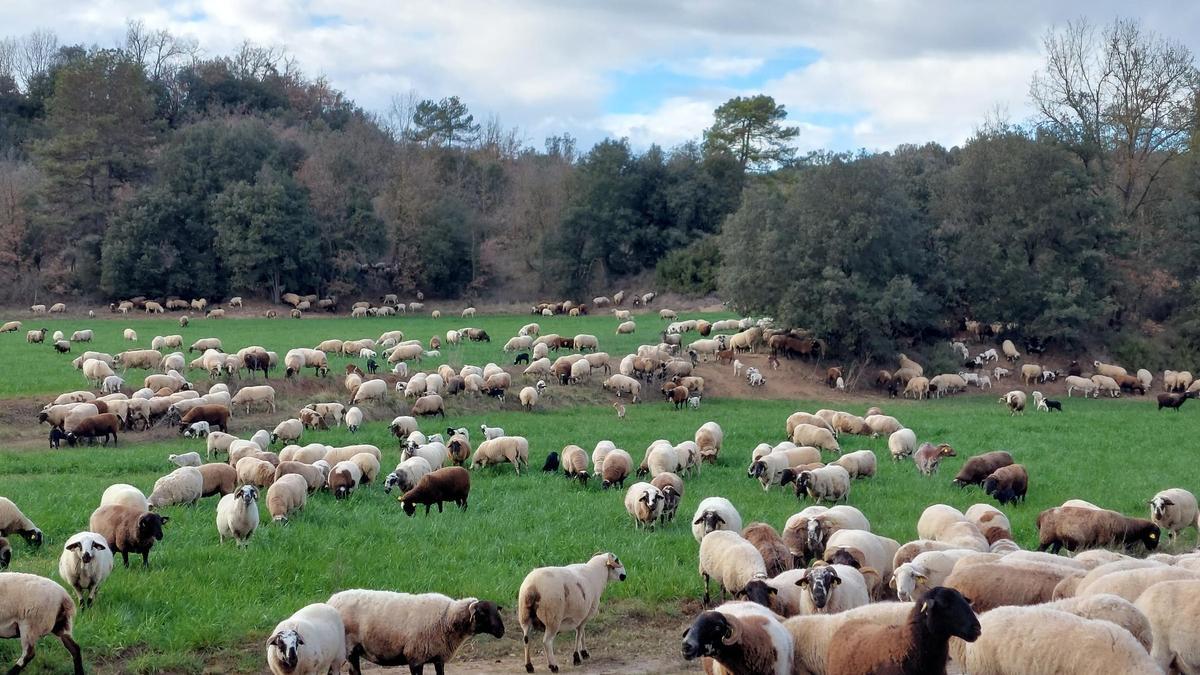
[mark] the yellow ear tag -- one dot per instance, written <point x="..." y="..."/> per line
<point x="923" y="606"/>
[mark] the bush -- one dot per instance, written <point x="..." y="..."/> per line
<point x="692" y="270"/>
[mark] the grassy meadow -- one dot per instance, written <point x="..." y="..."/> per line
<point x="203" y="606"/>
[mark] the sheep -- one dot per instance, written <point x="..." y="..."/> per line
<point x="182" y="486"/>
<point x="859" y="464"/>
<point x="644" y="503"/>
<point x="254" y="471"/>
<point x="976" y="469"/>
<point x="449" y="484"/>
<point x="919" y="646"/>
<point x="429" y="405"/>
<point x="732" y="560"/>
<point x="237" y="515"/>
<point x="1051" y="641"/>
<point x="740" y="637"/>
<point x="990" y="521"/>
<point x="818" y="437"/>
<point x="344" y="477"/>
<point x="775" y="554"/>
<point x="996" y="584"/>
<point x="85" y="563"/>
<point x="546" y="601"/>
<point x="186" y="459"/>
<point x="1015" y="400"/>
<point x="928" y="456"/>
<point x="287" y="494"/>
<point x="805" y="533"/>
<point x="530" y="395"/>
<point x="712" y="514"/>
<point x="491" y="432"/>
<point x="511" y="449"/>
<point x="936" y="519"/>
<point x="575" y="463"/>
<point x="1174" y="510"/>
<point x="830" y="589"/>
<point x="1008" y="484"/>
<point x="124" y="495"/>
<point x="368" y="464"/>
<point x="32" y="607"/>
<point x="369" y="391"/>
<point x="1106" y="384"/>
<point x="128" y="530"/>
<point x="288" y="431"/>
<point x="902" y="444"/>
<point x="12" y="521"/>
<point x="862" y="549"/>
<point x="926" y="570"/>
<point x="407" y="474"/>
<point x="218" y="479"/>
<point x="404" y="629"/>
<point x="1171" y="607"/>
<point x="1077" y="528"/>
<point x="829" y="482"/>
<point x="616" y="468"/>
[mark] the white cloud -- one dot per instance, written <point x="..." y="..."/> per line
<point x="887" y="73"/>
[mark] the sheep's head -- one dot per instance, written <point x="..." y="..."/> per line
<point x="757" y="469"/>
<point x="150" y="526"/>
<point x="757" y="590"/>
<point x="820" y="582"/>
<point x="286" y="644"/>
<point x="86" y="548"/>
<point x="248" y="494"/>
<point x="803" y="481"/>
<point x="815" y="536"/>
<point x="485" y="618"/>
<point x="946" y="612"/>
<point x="708" y="634"/>
<point x="711" y="519"/>
<point x="1158" y="506"/>
<point x="944" y="450"/>
<point x="650" y="498"/>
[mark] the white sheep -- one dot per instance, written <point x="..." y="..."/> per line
<point x="911" y="579"/>
<point x="644" y="503"/>
<point x="121" y="494"/>
<point x="511" y="449"/>
<point x="902" y="444"/>
<point x="732" y="560"/>
<point x="186" y="459"/>
<point x="1172" y="608"/>
<point x="85" y="563"/>
<point x="237" y="515"/>
<point x="313" y="640"/>
<point x="32" y="607"/>
<point x="1174" y="510"/>
<point x="715" y="513"/>
<point x="830" y="589"/>
<point x="546" y="599"/>
<point x="354" y="419"/>
<point x="112" y="384"/>
<point x="406" y="475"/>
<point x="184" y="485"/>
<point x="866" y="548"/>
<point x="288" y="493"/>
<point x="859" y="464"/>
<point x="830" y="482"/>
<point x="287" y="431"/>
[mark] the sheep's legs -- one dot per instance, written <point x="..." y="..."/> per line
<point x="548" y="641"/>
<point x="28" y="641"/>
<point x="525" y="640"/>
<point x="73" y="648"/>
<point x="582" y="648"/>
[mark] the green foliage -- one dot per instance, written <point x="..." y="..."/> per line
<point x="692" y="270"/>
<point x="443" y="252"/>
<point x="446" y="122"/>
<point x="751" y="130"/>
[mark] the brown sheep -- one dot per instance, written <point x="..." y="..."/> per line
<point x="920" y="646"/>
<point x="311" y="474"/>
<point x="617" y="467"/>
<point x="215" y="414"/>
<point x="1130" y="384"/>
<point x="104" y="424"/>
<point x="992" y="585"/>
<point x="448" y="484"/>
<point x="1081" y="528"/>
<point x="928" y="456"/>
<point x="428" y="406"/>
<point x="128" y="530"/>
<point x="676" y="395"/>
<point x="1008" y="484"/>
<point x="775" y="553"/>
<point x="831" y="377"/>
<point x="460" y="449"/>
<point x="219" y="479"/>
<point x="976" y="469"/>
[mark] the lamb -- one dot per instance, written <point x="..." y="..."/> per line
<point x="218" y="479"/>
<point x="124" y="495"/>
<point x="644" y="502"/>
<point x="616" y="468"/>
<point x="732" y="560"/>
<point x="741" y="637"/>
<point x="186" y="459"/>
<point x="829" y="482"/>
<point x="128" y="530"/>
<point x="197" y="430"/>
<point x="405" y="629"/>
<point x="491" y="432"/>
<point x="12" y="521"/>
<point x="1079" y="528"/>
<point x="287" y="494"/>
<point x="1008" y="484"/>
<point x="1051" y="641"/>
<point x="545" y="602"/>
<point x="976" y="469"/>
<point x="254" y="471"/>
<point x="511" y="449"/>
<point x="237" y="515"/>
<point x="32" y="607"/>
<point x="1174" y="510"/>
<point x="1171" y="607"/>
<point x="182" y="486"/>
<point x="344" y="477"/>
<point x="902" y="443"/>
<point x="449" y="484"/>
<point x="920" y="646"/>
<point x="85" y="563"/>
<point x="712" y="514"/>
<point x="928" y="456"/>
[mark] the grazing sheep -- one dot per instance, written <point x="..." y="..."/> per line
<point x="644" y="503"/>
<point x="449" y="484"/>
<point x="862" y="549"/>
<point x="902" y="444"/>
<point x="183" y="486"/>
<point x="617" y="466"/>
<point x="712" y="514"/>
<point x="1174" y="510"/>
<point x="124" y="495"/>
<point x="918" y="647"/>
<point x="709" y="438"/>
<point x="287" y="494"/>
<point x="1008" y="484"/>
<point x="254" y="471"/>
<point x="85" y="563"/>
<point x="1171" y="608"/>
<point x="186" y="459"/>
<point x="859" y="464"/>
<point x="407" y="474"/>
<point x="429" y="405"/>
<point x="990" y="521"/>
<point x="32" y="607"/>
<point x="564" y="598"/>
<point x="219" y="479"/>
<point x="1079" y="528"/>
<point x="997" y="584"/>
<point x="393" y="629"/>
<point x="344" y="477"/>
<point x="128" y="530"/>
<point x="511" y="449"/>
<point x="924" y="571"/>
<point x="740" y="637"/>
<point x="288" y="431"/>
<point x="928" y="456"/>
<point x="775" y="554"/>
<point x="829" y="482"/>
<point x="817" y="437"/>
<point x="976" y="469"/>
<point x="197" y="430"/>
<point x="1051" y="641"/>
<point x="237" y="515"/>
<point x="805" y="533"/>
<point x="732" y="560"/>
<point x="12" y="521"/>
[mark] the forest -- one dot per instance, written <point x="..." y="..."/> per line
<point x="154" y="168"/>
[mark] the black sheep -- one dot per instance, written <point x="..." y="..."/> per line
<point x="551" y="462"/>
<point x="57" y="436"/>
<point x="1051" y="404"/>
<point x="523" y="357"/>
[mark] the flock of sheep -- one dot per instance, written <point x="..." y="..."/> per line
<point x="825" y="594"/>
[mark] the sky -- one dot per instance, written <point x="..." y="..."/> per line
<point x="868" y="74"/>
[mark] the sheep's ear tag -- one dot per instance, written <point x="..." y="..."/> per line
<point x="924" y="606"/>
<point x="1154" y="535"/>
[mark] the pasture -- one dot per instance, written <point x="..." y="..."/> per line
<point x="201" y="603"/>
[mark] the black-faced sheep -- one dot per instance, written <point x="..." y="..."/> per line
<point x="1079" y="528"/>
<point x="449" y="484"/>
<point x="743" y="637"/>
<point x="976" y="469"/>
<point x="12" y="521"/>
<point x="128" y="530"/>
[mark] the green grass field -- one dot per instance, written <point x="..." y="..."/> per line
<point x="29" y="370"/>
<point x="200" y="597"/>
